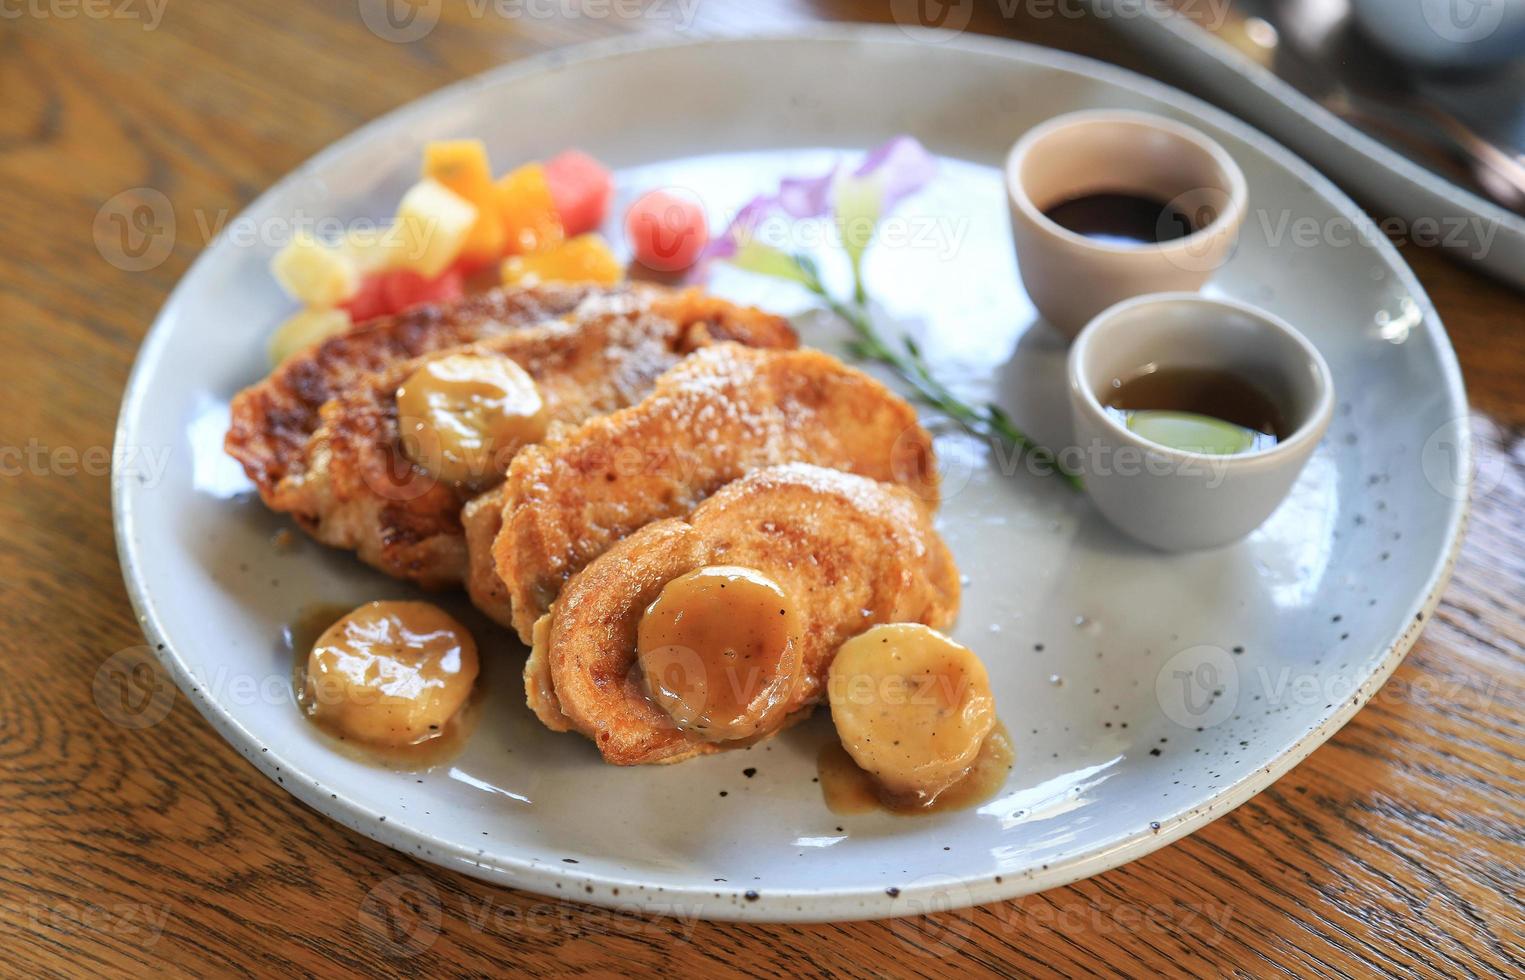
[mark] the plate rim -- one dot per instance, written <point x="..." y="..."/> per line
<point x="558" y="880"/>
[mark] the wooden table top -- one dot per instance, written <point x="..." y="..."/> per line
<point x="1395" y="847"/>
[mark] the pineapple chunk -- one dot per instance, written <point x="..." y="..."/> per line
<point x="461" y="165"/>
<point x="373" y="249"/>
<point x="433" y="222"/>
<point x="305" y="328"/>
<point x="313" y="273"/>
<point x="586" y="258"/>
<point x="530" y="222"/>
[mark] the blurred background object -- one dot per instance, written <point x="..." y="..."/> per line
<point x="1417" y="107"/>
<point x="1446" y="34"/>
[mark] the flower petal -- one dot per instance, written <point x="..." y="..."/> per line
<point x="891" y="171"/>
<point x="724" y="245"/>
<point x="806" y="197"/>
<point x="902" y="166"/>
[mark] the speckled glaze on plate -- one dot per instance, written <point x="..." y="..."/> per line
<point x="1147" y="694"/>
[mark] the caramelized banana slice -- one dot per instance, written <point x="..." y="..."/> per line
<point x="390" y="673"/>
<point x="462" y="416"/>
<point x="911" y="707"/>
<point x="720" y="652"/>
<point x="844" y="550"/>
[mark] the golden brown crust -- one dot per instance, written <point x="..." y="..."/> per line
<point x="481" y="519"/>
<point x="718" y="415"/>
<point x="539" y="692"/>
<point x="272" y="420"/>
<point x="350" y="485"/>
<point x="852" y="552"/>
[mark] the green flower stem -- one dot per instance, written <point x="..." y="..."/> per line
<point x="987" y="421"/>
<point x="860" y="292"/>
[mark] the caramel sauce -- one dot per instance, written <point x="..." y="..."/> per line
<point x="720" y="654"/>
<point x="301" y="635"/>
<point x="847" y="789"/>
<point x="461" y="417"/>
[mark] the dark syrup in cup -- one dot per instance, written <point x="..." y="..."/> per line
<point x="1121" y="219"/>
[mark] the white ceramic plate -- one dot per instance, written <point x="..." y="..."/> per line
<point x="1104" y="656"/>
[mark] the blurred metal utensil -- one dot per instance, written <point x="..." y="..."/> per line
<point x="1494" y="171"/>
<point x="1354" y="78"/>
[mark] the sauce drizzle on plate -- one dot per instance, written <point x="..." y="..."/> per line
<point x="847" y="789"/>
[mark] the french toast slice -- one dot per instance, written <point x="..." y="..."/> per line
<point x="851" y="552"/>
<point x="716" y="416"/>
<point x="350" y="483"/>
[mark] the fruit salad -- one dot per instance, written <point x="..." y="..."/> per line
<point x="536" y="221"/>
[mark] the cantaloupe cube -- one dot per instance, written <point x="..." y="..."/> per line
<point x="461" y="165"/>
<point x="304" y="329"/>
<point x="433" y="222"/>
<point x="528" y="211"/>
<point x="586" y="258"/>
<point x="314" y="273"/>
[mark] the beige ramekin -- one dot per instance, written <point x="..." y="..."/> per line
<point x="1070" y="277"/>
<point x="1171" y="498"/>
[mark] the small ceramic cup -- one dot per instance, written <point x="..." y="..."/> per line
<point x="1072" y="277"/>
<point x="1166" y="497"/>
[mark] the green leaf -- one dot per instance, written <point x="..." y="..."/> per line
<point x="765" y="260"/>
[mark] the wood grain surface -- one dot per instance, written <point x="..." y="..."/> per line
<point x="1399" y="847"/>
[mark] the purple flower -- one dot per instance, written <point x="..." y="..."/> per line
<point x="724" y="245"/>
<point x="895" y="169"/>
<point x="806" y="197"/>
<point x="902" y="166"/>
